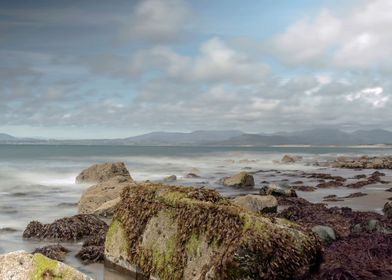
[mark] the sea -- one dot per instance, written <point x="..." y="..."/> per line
<point x="37" y="182"/>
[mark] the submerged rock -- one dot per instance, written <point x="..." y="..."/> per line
<point x="257" y="203"/>
<point x="277" y="189"/>
<point x="96" y="196"/>
<point x="172" y="232"/>
<point x="70" y="228"/>
<point x="240" y="180"/>
<point x="170" y="178"/>
<point x="99" y="173"/>
<point x="290" y="159"/>
<point x="55" y="252"/>
<point x="20" y="265"/>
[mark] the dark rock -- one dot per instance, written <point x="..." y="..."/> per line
<point x="304" y="188"/>
<point x="70" y="228"/>
<point x="192" y="176"/>
<point x="170" y="178"/>
<point x="388" y="209"/>
<point x="7" y="230"/>
<point x="91" y="254"/>
<point x="55" y="252"/>
<point x="278" y="189"/>
<point x="356" y="194"/>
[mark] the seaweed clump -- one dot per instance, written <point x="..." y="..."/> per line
<point x="206" y="231"/>
<point x="66" y="229"/>
<point x="56" y="252"/>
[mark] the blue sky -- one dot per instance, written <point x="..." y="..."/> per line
<point x="105" y="69"/>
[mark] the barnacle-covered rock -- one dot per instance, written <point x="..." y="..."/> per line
<point x="172" y="232"/>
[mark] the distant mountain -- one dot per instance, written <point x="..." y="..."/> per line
<point x="228" y="138"/>
<point x="198" y="137"/>
<point x="7" y="137"/>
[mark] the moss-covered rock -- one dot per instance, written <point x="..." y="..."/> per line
<point x="23" y="266"/>
<point x="172" y="232"/>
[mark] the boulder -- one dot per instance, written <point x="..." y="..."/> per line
<point x="96" y="196"/>
<point x="173" y="232"/>
<point x="20" y="265"/>
<point x="388" y="209"/>
<point x="325" y="233"/>
<point x="278" y="189"/>
<point x="99" y="173"/>
<point x="240" y="180"/>
<point x="257" y="203"/>
<point x="290" y="159"/>
<point x="107" y="209"/>
<point x="170" y="178"/>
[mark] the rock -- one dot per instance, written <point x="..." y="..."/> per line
<point x="356" y="194"/>
<point x="388" y="209"/>
<point x="99" y="173"/>
<point x="20" y="265"/>
<point x="290" y="159"/>
<point x="277" y="189"/>
<point x="374" y="225"/>
<point x="7" y="230"/>
<point x="257" y="203"/>
<point x="326" y="234"/>
<point x="107" y="209"/>
<point x="172" y="232"/>
<point x="240" y="180"/>
<point x="55" y="252"/>
<point x="170" y="178"/>
<point x="366" y="162"/>
<point x="95" y="196"/>
<point x="192" y="176"/>
<point x="304" y="188"/>
<point x="66" y="229"/>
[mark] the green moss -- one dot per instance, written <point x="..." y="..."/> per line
<point x="116" y="227"/>
<point x="45" y="268"/>
<point x="192" y="246"/>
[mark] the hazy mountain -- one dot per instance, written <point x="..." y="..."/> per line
<point x="198" y="137"/>
<point x="229" y="138"/>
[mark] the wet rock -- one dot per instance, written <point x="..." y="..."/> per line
<point x="240" y="180"/>
<point x="278" y="189"/>
<point x="20" y="265"/>
<point x="388" y="209"/>
<point x="366" y="162"/>
<point x="91" y="254"/>
<point x="325" y="233"/>
<point x="373" y="225"/>
<point x="95" y="196"/>
<point x="330" y="184"/>
<point x="304" y="188"/>
<point x="67" y="204"/>
<point x="357" y="194"/>
<point x="257" y="203"/>
<point x="107" y="209"/>
<point x="7" y="230"/>
<point x="70" y="228"/>
<point x="99" y="173"/>
<point x="290" y="159"/>
<point x="389" y="190"/>
<point x="55" y="252"/>
<point x="362" y="176"/>
<point x="192" y="176"/>
<point x="172" y="232"/>
<point x="171" y="178"/>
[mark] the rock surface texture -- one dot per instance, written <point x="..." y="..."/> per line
<point x="240" y="180"/>
<point x="172" y="232"/>
<point x="257" y="203"/>
<point x="23" y="266"/>
<point x="99" y="173"/>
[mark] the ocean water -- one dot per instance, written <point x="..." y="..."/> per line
<point x="37" y="181"/>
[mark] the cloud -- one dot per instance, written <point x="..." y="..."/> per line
<point x="156" y="20"/>
<point x="360" y="39"/>
<point x="374" y="96"/>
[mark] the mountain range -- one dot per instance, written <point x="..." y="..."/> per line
<point x="229" y="138"/>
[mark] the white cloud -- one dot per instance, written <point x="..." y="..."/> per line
<point x="374" y="96"/>
<point x="360" y="39"/>
<point x="156" y="20"/>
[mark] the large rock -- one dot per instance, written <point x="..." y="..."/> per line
<point x="172" y="232"/>
<point x="257" y="203"/>
<point x="278" y="189"/>
<point x="388" y="209"/>
<point x="290" y="159"/>
<point x="325" y="233"/>
<point x="379" y="162"/>
<point x="99" y="173"/>
<point x="96" y="196"/>
<point x="240" y="180"/>
<point x="23" y="266"/>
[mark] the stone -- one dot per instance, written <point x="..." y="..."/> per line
<point x="107" y="209"/>
<point x="257" y="203"/>
<point x="99" y="173"/>
<point x="21" y="265"/>
<point x="56" y="252"/>
<point x="325" y="233"/>
<point x="278" y="189"/>
<point x="175" y="232"/>
<point x="388" y="209"/>
<point x="170" y="178"/>
<point x="95" y="196"/>
<point x="240" y="180"/>
<point x="290" y="159"/>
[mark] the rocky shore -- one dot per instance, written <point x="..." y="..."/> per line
<point x="162" y="231"/>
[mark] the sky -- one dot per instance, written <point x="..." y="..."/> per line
<point x="110" y="69"/>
